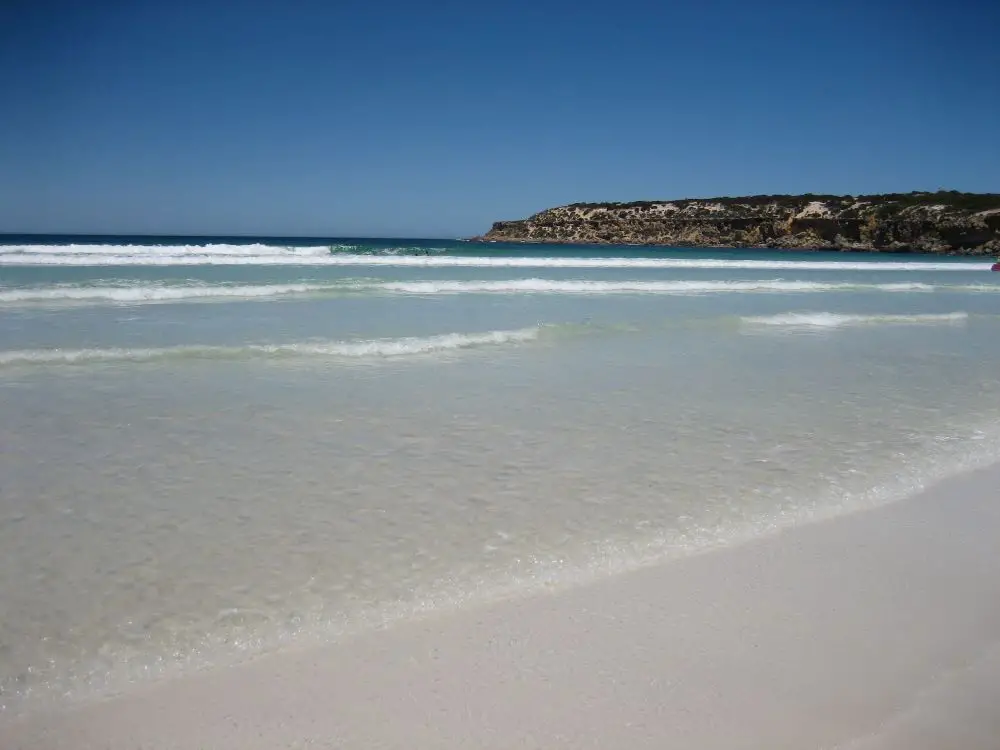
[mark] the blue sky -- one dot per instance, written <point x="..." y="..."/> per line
<point x="435" y="119"/>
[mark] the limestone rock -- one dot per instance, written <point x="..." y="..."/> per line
<point x="945" y="222"/>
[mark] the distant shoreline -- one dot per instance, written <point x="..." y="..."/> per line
<point x="941" y="223"/>
<point x="482" y="240"/>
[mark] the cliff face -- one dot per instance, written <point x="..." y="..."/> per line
<point x="944" y="222"/>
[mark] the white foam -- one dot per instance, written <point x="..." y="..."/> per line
<point x="396" y="347"/>
<point x="121" y="292"/>
<point x="154" y="293"/>
<point x="259" y="254"/>
<point x="249" y="250"/>
<point x="836" y="320"/>
<point x="551" y="286"/>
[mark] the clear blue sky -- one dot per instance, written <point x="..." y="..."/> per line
<point x="434" y="119"/>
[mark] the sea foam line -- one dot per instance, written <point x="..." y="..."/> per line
<point x="151" y="293"/>
<point x="217" y="249"/>
<point x="836" y="320"/>
<point x="550" y="286"/>
<point x="396" y="347"/>
<point x="122" y="293"/>
<point x="257" y="254"/>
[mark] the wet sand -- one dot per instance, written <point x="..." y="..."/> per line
<point x="872" y="631"/>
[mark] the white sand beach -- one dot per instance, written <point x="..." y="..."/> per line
<point x="879" y="629"/>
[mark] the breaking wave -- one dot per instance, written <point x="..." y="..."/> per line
<point x="836" y="320"/>
<point x="550" y="286"/>
<point x="125" y="292"/>
<point x="396" y="347"/>
<point x="151" y="293"/>
<point x="346" y="255"/>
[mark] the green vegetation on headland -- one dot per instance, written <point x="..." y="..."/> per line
<point x="947" y="222"/>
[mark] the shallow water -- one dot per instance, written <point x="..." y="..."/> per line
<point x="203" y="459"/>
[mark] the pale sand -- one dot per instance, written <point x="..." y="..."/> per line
<point x="873" y="631"/>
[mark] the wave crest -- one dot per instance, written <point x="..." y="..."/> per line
<point x="550" y="286"/>
<point x="375" y="348"/>
<point x="836" y="320"/>
<point x="339" y="255"/>
<point x="126" y="292"/>
<point x="154" y="293"/>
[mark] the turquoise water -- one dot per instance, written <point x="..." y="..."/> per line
<point x="220" y="448"/>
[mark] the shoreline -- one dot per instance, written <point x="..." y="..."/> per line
<point x="944" y="222"/>
<point x="484" y="240"/>
<point x="818" y="636"/>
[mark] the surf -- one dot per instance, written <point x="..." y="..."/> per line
<point x="125" y="294"/>
<point x="358" y="255"/>
<point x="366" y="349"/>
<point x="830" y="320"/>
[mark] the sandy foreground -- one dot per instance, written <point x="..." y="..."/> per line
<point x="876" y="630"/>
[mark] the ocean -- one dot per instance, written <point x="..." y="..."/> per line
<point x="215" y="448"/>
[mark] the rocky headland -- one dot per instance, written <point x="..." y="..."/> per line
<point x="946" y="222"/>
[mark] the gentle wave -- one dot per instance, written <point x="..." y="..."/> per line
<point x="836" y="320"/>
<point x="347" y="255"/>
<point x="121" y="292"/>
<point x="218" y="249"/>
<point x="397" y="347"/>
<point x="213" y="250"/>
<point x="549" y="286"/>
<point x="154" y="293"/>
